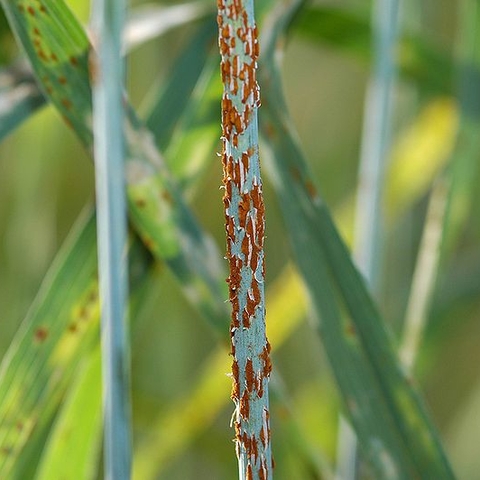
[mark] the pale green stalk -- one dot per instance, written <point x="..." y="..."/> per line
<point x="367" y="250"/>
<point x="425" y="274"/>
<point x="109" y="152"/>
<point x="245" y="227"/>
<point x="451" y="196"/>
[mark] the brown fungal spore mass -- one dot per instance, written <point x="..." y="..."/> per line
<point x="245" y="229"/>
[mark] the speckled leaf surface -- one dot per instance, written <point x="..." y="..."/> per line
<point x="62" y="323"/>
<point x="58" y="49"/>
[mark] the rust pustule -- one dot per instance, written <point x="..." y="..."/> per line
<point x="249" y="375"/>
<point x="40" y="334"/>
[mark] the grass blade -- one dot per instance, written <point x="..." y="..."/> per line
<point x="109" y="151"/>
<point x="76" y="434"/>
<point x="149" y="21"/>
<point x="156" y="206"/>
<point x="396" y="434"/>
<point x="61" y="324"/>
<point x="375" y="145"/>
<point x="19" y="97"/>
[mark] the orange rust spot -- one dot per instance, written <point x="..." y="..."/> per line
<point x="54" y="57"/>
<point x="350" y="330"/>
<point x="41" y="334"/>
<point x="140" y="202"/>
<point x="245" y="245"/>
<point x="243" y="208"/>
<point x="74" y="61"/>
<point x="262" y="474"/>
<point x="6" y="450"/>
<point x="245" y="406"/>
<point x="66" y="103"/>
<point x="62" y="80"/>
<point x="312" y="191"/>
<point x="49" y="90"/>
<point x="43" y="8"/>
<point x="83" y="314"/>
<point x="19" y="425"/>
<point x="42" y="56"/>
<point x="262" y="438"/>
<point x="256" y="291"/>
<point x="73" y="328"/>
<point x="267" y="363"/>
<point x="36" y="31"/>
<point x="235" y="385"/>
<point x="93" y="296"/>
<point x="249" y="375"/>
<point x="67" y="121"/>
<point x="167" y="196"/>
<point x="31" y="11"/>
<point x="246" y="319"/>
<point x="250" y="306"/>
<point x="149" y="243"/>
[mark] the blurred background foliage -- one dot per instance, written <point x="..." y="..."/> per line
<point x="46" y="179"/>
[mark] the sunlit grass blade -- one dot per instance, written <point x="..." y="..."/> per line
<point x="464" y="170"/>
<point x="386" y="411"/>
<point x="150" y="21"/>
<point x="76" y="432"/>
<point x="61" y="324"/>
<point x="57" y="336"/>
<point x="363" y="345"/>
<point x="19" y="97"/>
<point x="369" y="225"/>
<point x="109" y="153"/>
<point x="58" y="49"/>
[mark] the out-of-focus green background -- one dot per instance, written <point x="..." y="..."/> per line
<point x="46" y="179"/>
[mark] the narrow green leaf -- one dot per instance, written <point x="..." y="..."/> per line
<point x="76" y="433"/>
<point x="109" y="153"/>
<point x="19" y="97"/>
<point x="375" y="145"/>
<point x="183" y="78"/>
<point x="386" y="411"/>
<point x="150" y="21"/>
<point x="58" y="49"/>
<point x="62" y="323"/>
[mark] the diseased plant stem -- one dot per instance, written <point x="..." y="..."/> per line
<point x="245" y="225"/>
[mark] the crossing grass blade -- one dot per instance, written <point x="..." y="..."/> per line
<point x="173" y="96"/>
<point x="76" y="431"/>
<point x="61" y="324"/>
<point x="19" y="97"/>
<point x="58" y="49"/>
<point x="393" y="428"/>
